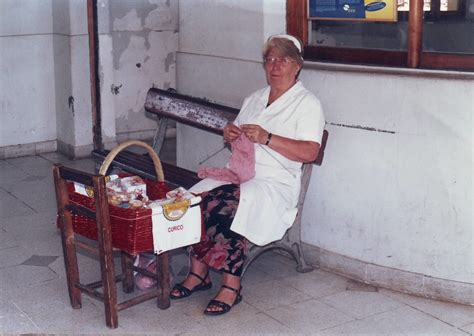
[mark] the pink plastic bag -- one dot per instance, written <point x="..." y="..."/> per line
<point x="142" y="281"/>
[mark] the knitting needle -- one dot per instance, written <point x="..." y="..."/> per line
<point x="212" y="155"/>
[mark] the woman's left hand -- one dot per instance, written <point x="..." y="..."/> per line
<point x="255" y="133"/>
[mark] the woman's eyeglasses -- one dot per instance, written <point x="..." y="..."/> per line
<point x="275" y="60"/>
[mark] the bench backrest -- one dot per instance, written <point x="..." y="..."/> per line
<point x="199" y="113"/>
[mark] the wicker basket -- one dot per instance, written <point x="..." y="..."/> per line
<point x="131" y="228"/>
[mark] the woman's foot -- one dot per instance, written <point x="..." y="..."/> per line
<point x="198" y="279"/>
<point x="227" y="298"/>
<point x="193" y="282"/>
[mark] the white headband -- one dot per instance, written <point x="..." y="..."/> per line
<point x="288" y="37"/>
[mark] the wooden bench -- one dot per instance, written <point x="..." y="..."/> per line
<point x="212" y="118"/>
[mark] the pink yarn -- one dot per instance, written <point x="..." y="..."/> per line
<point x="241" y="163"/>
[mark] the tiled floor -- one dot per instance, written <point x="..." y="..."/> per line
<point x="277" y="299"/>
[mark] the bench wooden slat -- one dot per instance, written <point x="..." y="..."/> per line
<point x="191" y="111"/>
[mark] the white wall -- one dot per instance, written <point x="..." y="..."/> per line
<point x="395" y="189"/>
<point x="27" y="92"/>
<point x="45" y="81"/>
<point x="219" y="59"/>
<point x="400" y="199"/>
<point x="143" y="36"/>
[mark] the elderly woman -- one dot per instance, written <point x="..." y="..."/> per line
<point x="285" y="122"/>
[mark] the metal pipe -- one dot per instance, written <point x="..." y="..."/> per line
<point x="415" y="33"/>
<point x="93" y="31"/>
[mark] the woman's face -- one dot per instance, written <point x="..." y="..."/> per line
<point x="280" y="71"/>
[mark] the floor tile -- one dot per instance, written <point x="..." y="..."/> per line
<point x="468" y="328"/>
<point x="87" y="164"/>
<point x="38" y="260"/>
<point x="38" y="194"/>
<point x="44" y="300"/>
<point x="87" y="320"/>
<point x="9" y="173"/>
<point x="11" y="206"/>
<point x="32" y="165"/>
<point x="28" y="222"/>
<point x="452" y="313"/>
<point x="13" y="256"/>
<point x="254" y="276"/>
<point x="259" y="324"/>
<point x="317" y="283"/>
<point x="25" y="276"/>
<point x="7" y="240"/>
<point x="195" y="305"/>
<point x="148" y="318"/>
<point x="13" y="320"/>
<point x="401" y="321"/>
<point x="270" y="294"/>
<point x="276" y="265"/>
<point x="28" y="161"/>
<point x="309" y="316"/>
<point x="32" y="240"/>
<point x="361" y="304"/>
<point x="55" y="157"/>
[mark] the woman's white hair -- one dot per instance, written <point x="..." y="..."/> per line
<point x="293" y="39"/>
<point x="288" y="45"/>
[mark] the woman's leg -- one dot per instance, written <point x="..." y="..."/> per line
<point x="222" y="249"/>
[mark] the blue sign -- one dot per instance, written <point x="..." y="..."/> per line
<point x="337" y="9"/>
<point x="357" y="10"/>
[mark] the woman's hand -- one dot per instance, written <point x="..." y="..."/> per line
<point x="296" y="150"/>
<point x="255" y="133"/>
<point x="231" y="132"/>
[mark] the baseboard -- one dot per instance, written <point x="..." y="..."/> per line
<point x="34" y="148"/>
<point x="391" y="278"/>
<point x="75" y="152"/>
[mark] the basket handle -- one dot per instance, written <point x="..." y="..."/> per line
<point x="114" y="152"/>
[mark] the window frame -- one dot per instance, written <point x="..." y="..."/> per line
<point x="414" y="57"/>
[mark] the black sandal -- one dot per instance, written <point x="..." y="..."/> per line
<point x="185" y="292"/>
<point x="225" y="308"/>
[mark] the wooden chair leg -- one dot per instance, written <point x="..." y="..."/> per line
<point x="107" y="270"/>
<point x="71" y="266"/>
<point x="163" y="272"/>
<point x="109" y="287"/>
<point x="67" y="240"/>
<point x="127" y="272"/>
<point x="106" y="254"/>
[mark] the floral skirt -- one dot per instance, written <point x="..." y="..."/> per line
<point x="221" y="249"/>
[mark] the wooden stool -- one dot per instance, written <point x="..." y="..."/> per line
<point x="103" y="249"/>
